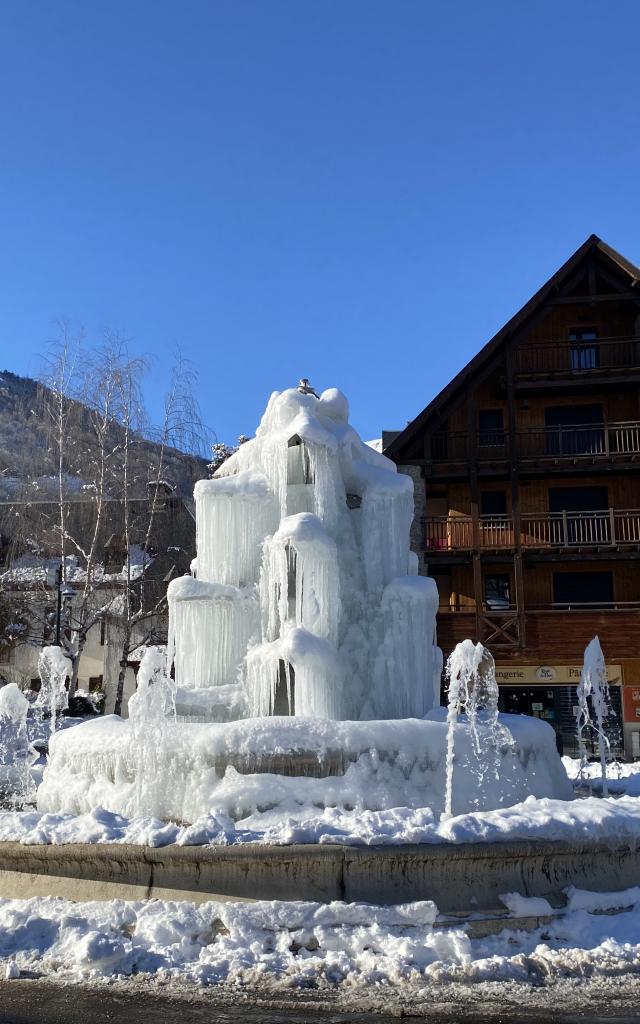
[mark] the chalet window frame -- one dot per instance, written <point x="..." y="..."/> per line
<point x="583" y="580"/>
<point x="583" y="353"/>
<point x="491" y="435"/>
<point x="500" y="599"/>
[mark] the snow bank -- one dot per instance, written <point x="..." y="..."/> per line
<point x="246" y="767"/>
<point x="277" y="946"/>
<point x="622" y="778"/>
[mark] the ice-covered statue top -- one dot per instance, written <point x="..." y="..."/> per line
<point x="305" y="602"/>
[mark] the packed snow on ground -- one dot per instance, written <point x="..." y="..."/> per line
<point x="309" y="945"/>
<point x="622" y="778"/>
<point x="592" y="819"/>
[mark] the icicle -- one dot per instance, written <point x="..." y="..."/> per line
<point x="299" y="582"/>
<point x="212" y="625"/>
<point x="387" y="511"/>
<point x="233" y="515"/>
<point x="318" y="685"/>
<point x="405" y="669"/>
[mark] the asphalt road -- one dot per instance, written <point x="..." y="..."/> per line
<point x="36" y="1002"/>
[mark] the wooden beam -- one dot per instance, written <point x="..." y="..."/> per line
<point x="632" y="376"/>
<point x="587" y="300"/>
<point x="592" y="278"/>
<point x="558" y="557"/>
<point x="515" y="498"/>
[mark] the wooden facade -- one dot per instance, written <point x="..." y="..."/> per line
<point x="529" y="468"/>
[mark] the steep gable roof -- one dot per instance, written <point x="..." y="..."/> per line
<point x="619" y="264"/>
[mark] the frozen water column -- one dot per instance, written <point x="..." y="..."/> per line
<point x="214" y="617"/>
<point x="405" y="672"/>
<point x="298" y="670"/>
<point x="299" y="582"/>
<point x="406" y="664"/>
<point x="233" y="516"/>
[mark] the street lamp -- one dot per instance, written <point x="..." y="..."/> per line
<point x="66" y="594"/>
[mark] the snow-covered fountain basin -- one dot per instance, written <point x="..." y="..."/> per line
<point x="303" y="654"/>
<point x="293" y="767"/>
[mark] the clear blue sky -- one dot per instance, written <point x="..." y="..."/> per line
<point x="356" y="191"/>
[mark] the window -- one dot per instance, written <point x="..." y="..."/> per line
<point x="440" y="446"/>
<point x="490" y="428"/>
<point x="585" y="355"/>
<point x="574" y="430"/>
<point x="583" y="587"/>
<point x="493" y="503"/>
<point x="578" y="499"/>
<point x="497" y="592"/>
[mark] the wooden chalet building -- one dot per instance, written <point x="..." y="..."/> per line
<point x="527" y="480"/>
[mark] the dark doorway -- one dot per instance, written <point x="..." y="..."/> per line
<point x="285" y="697"/>
<point x="574" y="430"/>
<point x="579" y="515"/>
<point x="493" y="503"/>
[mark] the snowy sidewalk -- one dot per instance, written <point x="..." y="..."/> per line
<point x="288" y="946"/>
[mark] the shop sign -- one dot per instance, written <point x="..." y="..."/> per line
<point x="631" y="704"/>
<point x="532" y="675"/>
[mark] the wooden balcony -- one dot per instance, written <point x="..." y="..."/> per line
<point x="588" y="444"/>
<point x="607" y="528"/>
<point x="553" y="633"/>
<point x="589" y="441"/>
<point x="584" y="359"/>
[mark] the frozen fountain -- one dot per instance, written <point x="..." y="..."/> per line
<point x="17" y="755"/>
<point x="302" y="666"/>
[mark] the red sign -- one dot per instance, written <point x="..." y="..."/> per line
<point x="631" y="703"/>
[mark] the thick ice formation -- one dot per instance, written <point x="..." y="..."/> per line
<point x="294" y="766"/>
<point x="306" y="600"/>
<point x="304" y="656"/>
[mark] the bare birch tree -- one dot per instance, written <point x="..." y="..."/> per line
<point x="120" y="463"/>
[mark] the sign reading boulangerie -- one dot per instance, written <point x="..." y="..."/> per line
<point x="541" y="675"/>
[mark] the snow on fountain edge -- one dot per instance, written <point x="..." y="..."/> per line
<point x="377" y="766"/>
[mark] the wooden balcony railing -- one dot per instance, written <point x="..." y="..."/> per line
<point x="595" y="440"/>
<point x="551" y="530"/>
<point x="577" y="358"/>
<point x="568" y="606"/>
<point x="583" y="439"/>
